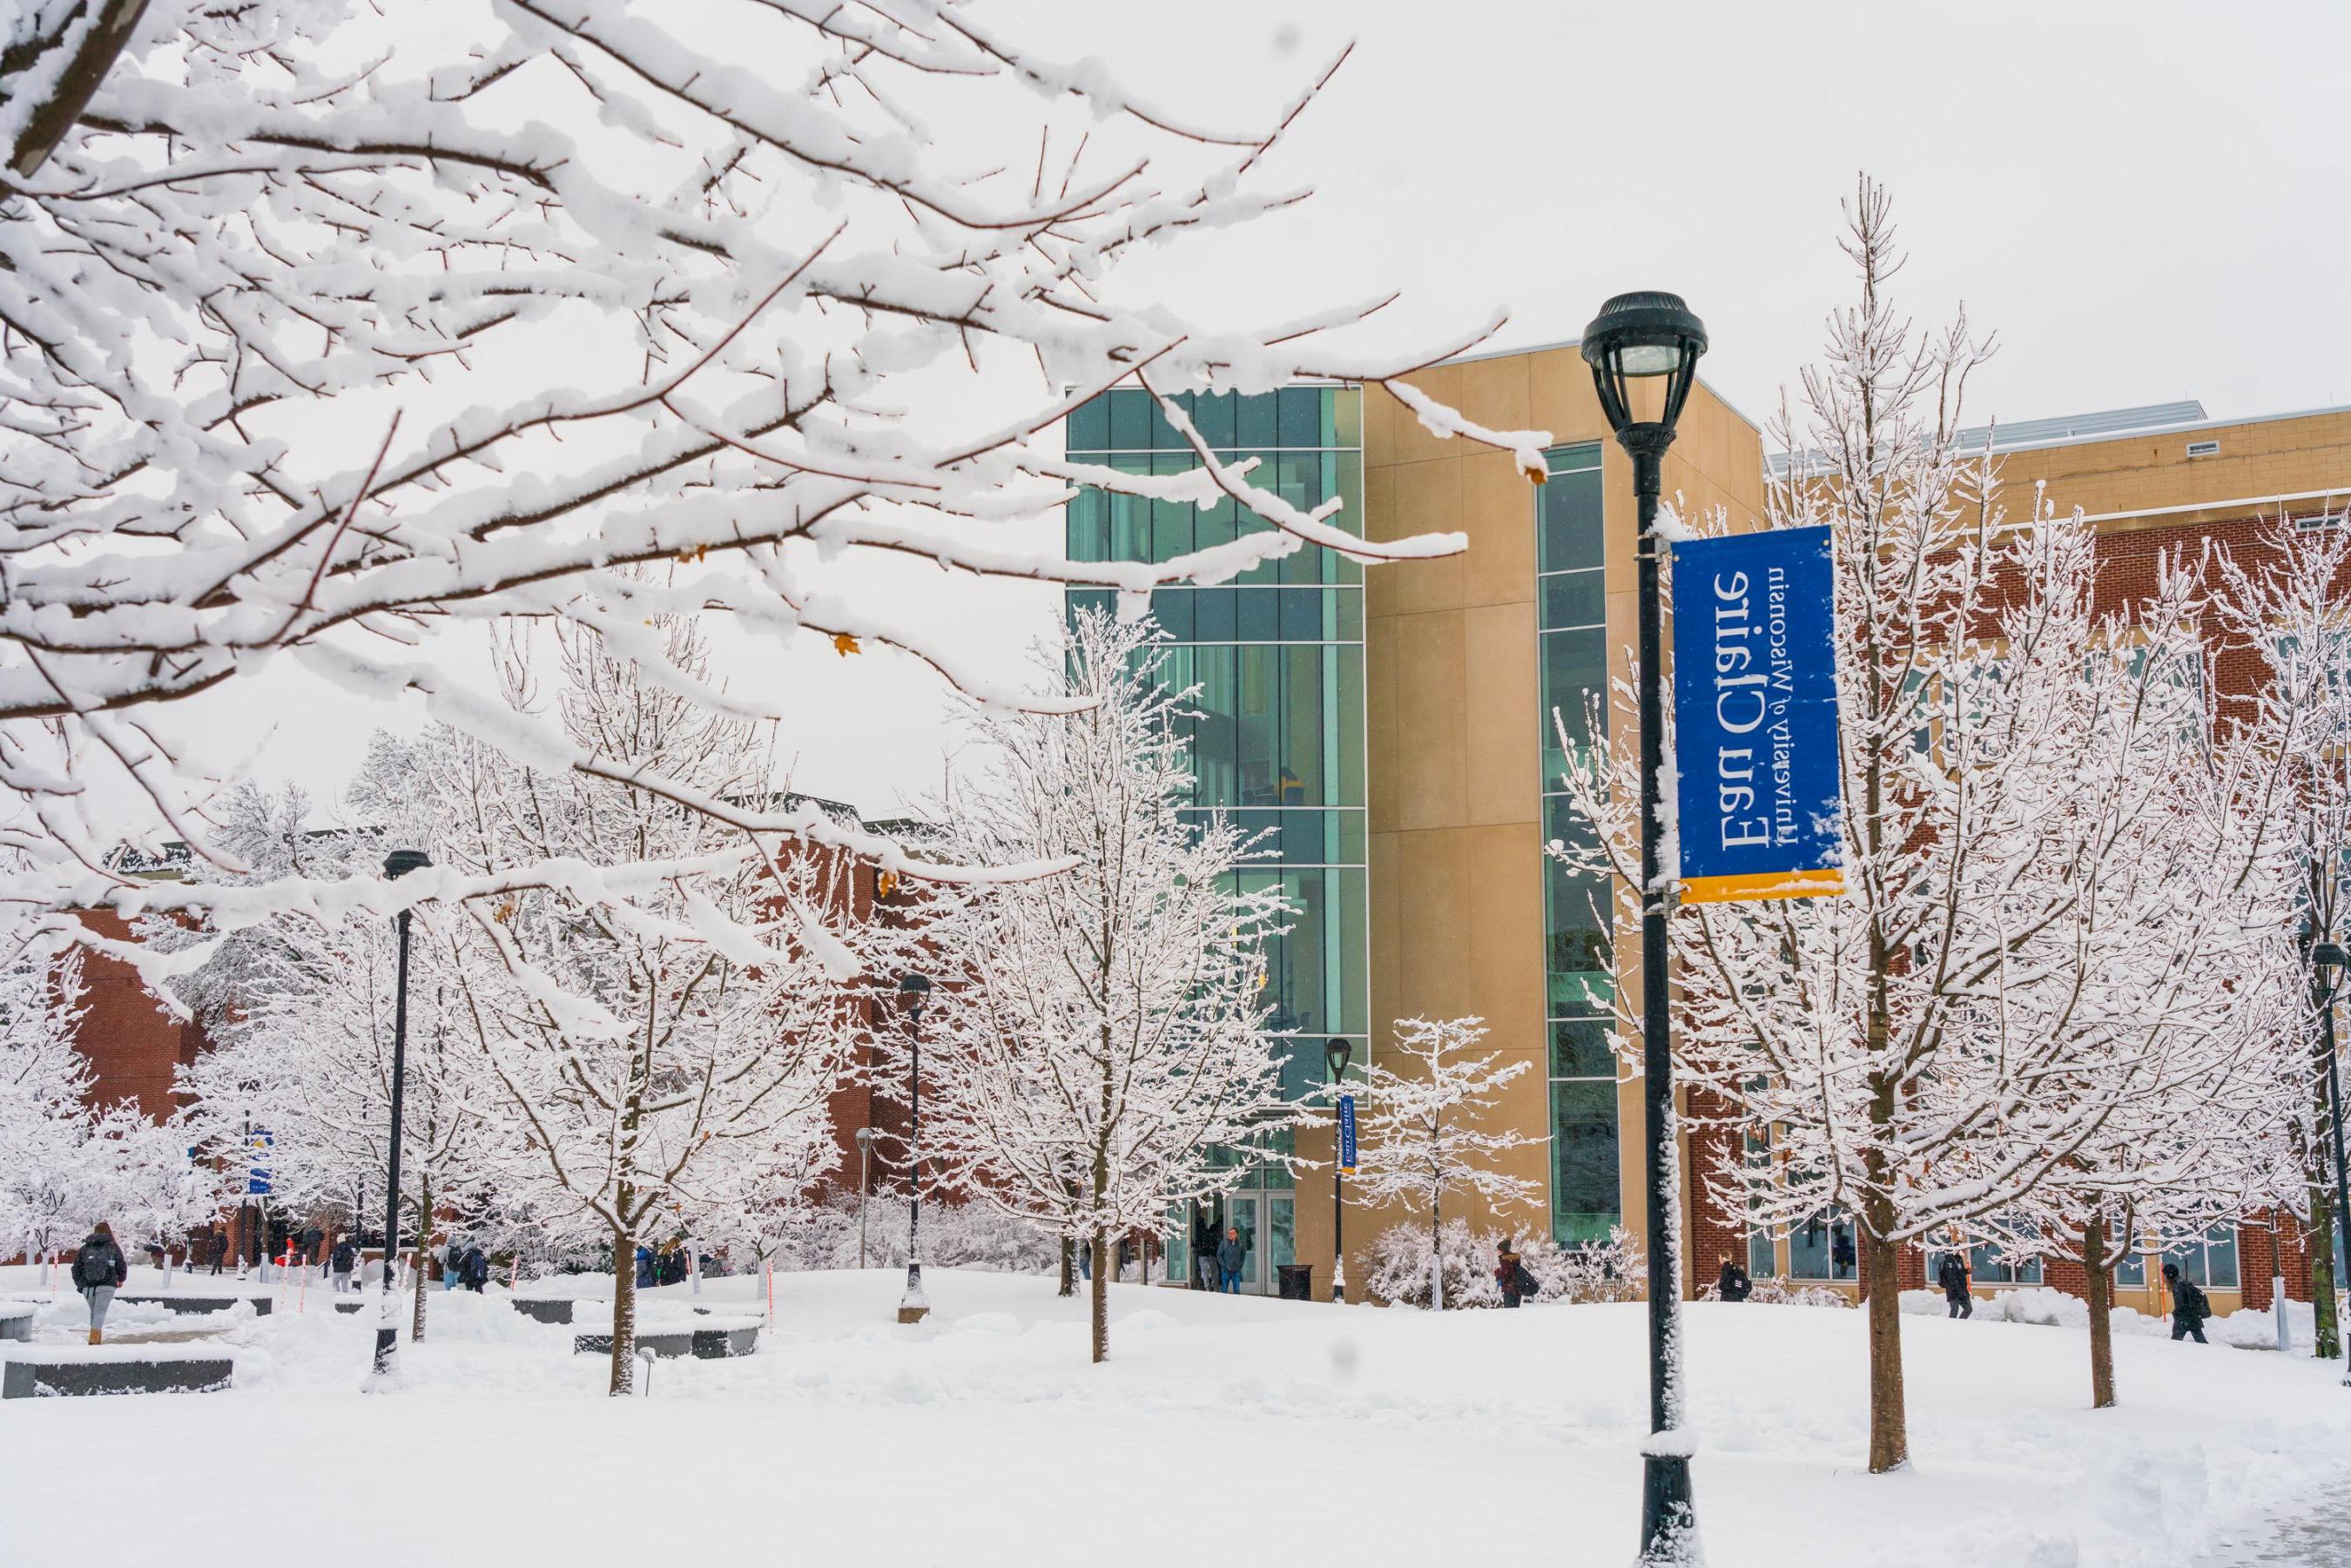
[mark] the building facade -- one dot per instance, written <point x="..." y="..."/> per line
<point x="1411" y="823"/>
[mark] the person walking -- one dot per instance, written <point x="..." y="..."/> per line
<point x="99" y="1270"/>
<point x="1952" y="1275"/>
<point x="452" y="1263"/>
<point x="1731" y="1284"/>
<point x="1232" y="1256"/>
<point x="2189" y="1306"/>
<point x="1511" y="1274"/>
<point x="340" y="1260"/>
<point x="220" y="1248"/>
<point x="1204" y="1249"/>
<point x="474" y="1269"/>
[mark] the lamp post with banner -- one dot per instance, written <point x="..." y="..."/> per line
<point x="1337" y="1053"/>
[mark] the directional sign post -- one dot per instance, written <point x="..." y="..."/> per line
<point x="1755" y="718"/>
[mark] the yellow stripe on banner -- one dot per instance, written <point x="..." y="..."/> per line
<point x="1761" y="885"/>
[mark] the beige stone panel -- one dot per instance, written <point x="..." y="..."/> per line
<point x="1498" y="509"/>
<point x="1494" y="393"/>
<point x="1501" y="721"/>
<point x="1433" y="894"/>
<point x="1506" y="931"/>
<point x="1408" y="440"/>
<point x="1386" y="904"/>
<point x="1425" y="672"/>
<point x="1424" y="498"/>
<point x="1561" y="399"/>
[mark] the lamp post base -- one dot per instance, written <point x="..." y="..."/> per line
<point x="1338" y="1287"/>
<point x="1669" y="1522"/>
<point x="914" y="1306"/>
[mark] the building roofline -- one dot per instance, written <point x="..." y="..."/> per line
<point x="1712" y="391"/>
<point x="2143" y="431"/>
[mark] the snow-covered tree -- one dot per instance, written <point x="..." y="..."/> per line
<point x="2165" y="989"/>
<point x="2290" y="605"/>
<point x="644" y="1062"/>
<point x="1101" y="1041"/>
<point x="47" y="1187"/>
<point x="331" y="332"/>
<point x="1426" y="1137"/>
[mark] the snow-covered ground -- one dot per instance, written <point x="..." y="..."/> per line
<point x="1229" y="1429"/>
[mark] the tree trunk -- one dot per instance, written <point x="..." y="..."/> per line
<point x="1889" y="1431"/>
<point x="1101" y="1296"/>
<point x="624" y="1315"/>
<point x="2327" y="1337"/>
<point x="2102" y="1307"/>
<point x="423" y="1252"/>
<point x="1436" y="1257"/>
<point x="1069" y="1268"/>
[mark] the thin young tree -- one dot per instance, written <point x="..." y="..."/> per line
<point x="1427" y="1136"/>
<point x="640" y="1061"/>
<point x="46" y="1128"/>
<point x="2286" y="602"/>
<point x="1102" y="1053"/>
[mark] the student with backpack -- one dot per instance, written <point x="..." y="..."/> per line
<point x="342" y="1260"/>
<point x="453" y="1264"/>
<point x="1510" y="1273"/>
<point x="474" y="1269"/>
<point x="2189" y="1306"/>
<point x="99" y="1270"/>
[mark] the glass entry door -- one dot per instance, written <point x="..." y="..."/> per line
<point x="1245" y="1212"/>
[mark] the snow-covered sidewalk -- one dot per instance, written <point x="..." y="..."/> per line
<point x="1239" y="1428"/>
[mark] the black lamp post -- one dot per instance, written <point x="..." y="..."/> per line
<point x="1337" y="1053"/>
<point x="914" y="1306"/>
<point x="2330" y="958"/>
<point x="397" y="864"/>
<point x="1637" y="336"/>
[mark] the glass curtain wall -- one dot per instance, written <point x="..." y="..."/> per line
<point x="1276" y="659"/>
<point x="1571" y="603"/>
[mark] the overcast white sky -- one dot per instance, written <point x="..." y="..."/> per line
<point x="2146" y="201"/>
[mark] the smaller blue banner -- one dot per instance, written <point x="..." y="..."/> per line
<point x="1755" y="718"/>
<point x="1347" y="1135"/>
<point x="256" y="1167"/>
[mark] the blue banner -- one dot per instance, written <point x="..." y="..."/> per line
<point x="1347" y="1135"/>
<point x="256" y="1166"/>
<point x="1755" y="718"/>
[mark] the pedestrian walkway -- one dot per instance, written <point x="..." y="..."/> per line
<point x="2316" y="1536"/>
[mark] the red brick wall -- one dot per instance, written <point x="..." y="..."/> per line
<point x="132" y="1045"/>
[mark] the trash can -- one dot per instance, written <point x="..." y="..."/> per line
<point x="1295" y="1281"/>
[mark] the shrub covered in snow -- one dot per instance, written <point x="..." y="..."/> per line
<point x="955" y="1235"/>
<point x="1610" y="1270"/>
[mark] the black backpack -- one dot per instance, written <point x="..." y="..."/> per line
<point x="92" y="1266"/>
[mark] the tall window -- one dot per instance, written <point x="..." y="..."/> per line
<point x="1276" y="729"/>
<point x="2210" y="1261"/>
<point x="1571" y="600"/>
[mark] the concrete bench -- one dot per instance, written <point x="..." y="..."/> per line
<point x="68" y="1370"/>
<point x="191" y="1304"/>
<point x="721" y="1343"/>
<point x="545" y="1309"/>
<point x="17" y="1319"/>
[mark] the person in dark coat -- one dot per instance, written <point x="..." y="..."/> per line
<point x="474" y="1270"/>
<point x="644" y="1266"/>
<point x="1232" y="1256"/>
<point x="1731" y="1284"/>
<point x="2189" y="1306"/>
<point x="1510" y="1273"/>
<point x="1204" y="1250"/>
<point x="99" y="1270"/>
<point x="1952" y="1275"/>
<point x="453" y="1264"/>
<point x="340" y="1262"/>
<point x="219" y="1248"/>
